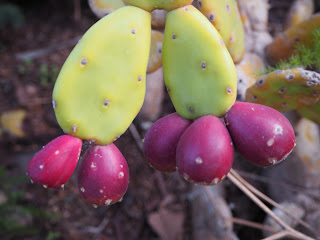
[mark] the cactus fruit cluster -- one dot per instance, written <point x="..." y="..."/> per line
<point x="102" y="86"/>
<point x="202" y="150"/>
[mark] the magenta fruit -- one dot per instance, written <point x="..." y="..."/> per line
<point x="262" y="135"/>
<point x="161" y="141"/>
<point x="205" y="152"/>
<point x="54" y="164"/>
<point x="103" y="175"/>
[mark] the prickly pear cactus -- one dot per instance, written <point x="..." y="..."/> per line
<point x="283" y="45"/>
<point x="198" y="70"/>
<point x="224" y="15"/>
<point x="103" y="7"/>
<point x="155" y="59"/>
<point x="150" y="5"/>
<point x="311" y="112"/>
<point x="101" y="86"/>
<point x="286" y="89"/>
<point x="300" y="10"/>
<point x="247" y="71"/>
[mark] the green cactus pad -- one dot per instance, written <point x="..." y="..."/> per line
<point x="198" y="70"/>
<point x="225" y="16"/>
<point x="284" y="45"/>
<point x="101" y="86"/>
<point x="311" y="112"/>
<point x="286" y="90"/>
<point x="150" y="5"/>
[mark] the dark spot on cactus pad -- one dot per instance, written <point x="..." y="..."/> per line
<point x="284" y="104"/>
<point x="222" y="42"/>
<point x="290" y="77"/>
<point x="140" y="78"/>
<point x="315" y="93"/>
<point x="168" y="90"/>
<point x="240" y="80"/>
<point x="186" y="8"/>
<point x="260" y="82"/>
<point x="229" y="90"/>
<point x="231" y="37"/>
<point x="211" y="17"/>
<point x="254" y="97"/>
<point x="133" y="31"/>
<point x="199" y="4"/>
<point x="228" y="8"/>
<point x="282" y="90"/>
<point x="296" y="39"/>
<point x="106" y="102"/>
<point x="191" y="109"/>
<point x="203" y="65"/>
<point x="174" y="36"/>
<point x="84" y="61"/>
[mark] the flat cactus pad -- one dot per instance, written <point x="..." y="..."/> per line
<point x="286" y="90"/>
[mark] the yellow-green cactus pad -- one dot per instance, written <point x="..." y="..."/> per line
<point x="311" y="112"/>
<point x="150" y="5"/>
<point x="102" y="8"/>
<point x="198" y="70"/>
<point x="284" y="45"/>
<point x="155" y="58"/>
<point x="101" y="86"/>
<point x="225" y="16"/>
<point x="300" y="10"/>
<point x="286" y="90"/>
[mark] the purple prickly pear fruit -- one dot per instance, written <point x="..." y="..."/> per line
<point x="54" y="164"/>
<point x="161" y="141"/>
<point x="103" y="175"/>
<point x="262" y="135"/>
<point x="205" y="152"/>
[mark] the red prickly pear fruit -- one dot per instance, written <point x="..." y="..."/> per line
<point x="205" y="152"/>
<point x="262" y="135"/>
<point x="161" y="141"/>
<point x="54" y="164"/>
<point x="103" y="175"/>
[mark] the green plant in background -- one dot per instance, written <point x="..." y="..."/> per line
<point x="16" y="217"/>
<point x="24" y="68"/>
<point x="306" y="56"/>
<point x="10" y="15"/>
<point x="48" y="74"/>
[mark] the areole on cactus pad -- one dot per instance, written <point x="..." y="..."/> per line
<point x="198" y="70"/>
<point x="101" y="86"/>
